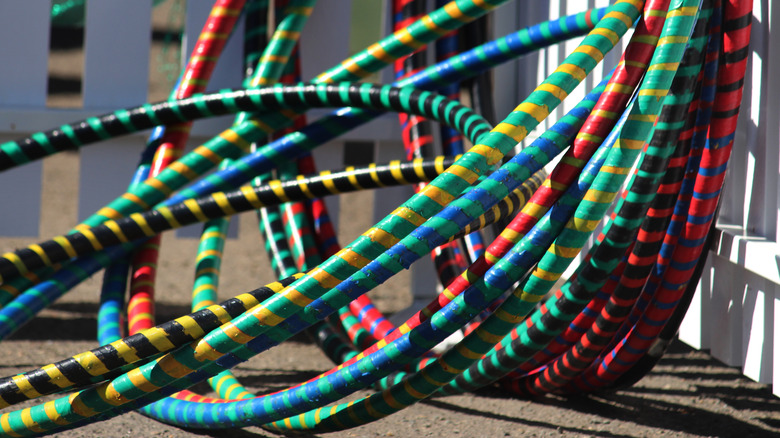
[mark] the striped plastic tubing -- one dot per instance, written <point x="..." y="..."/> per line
<point x="269" y="69"/>
<point x="83" y="369"/>
<point x="620" y="233"/>
<point x="474" y="61"/>
<point x="439" y="165"/>
<point x="504" y="49"/>
<point x="168" y="147"/>
<point x="233" y="142"/>
<point x="709" y="181"/>
<point x="464" y="120"/>
<point x="541" y="150"/>
<point x="231" y="413"/>
<point x="600" y="24"/>
<point x="540" y="237"/>
<point x="523" y="255"/>
<point x="169" y="391"/>
<point x="205" y="293"/>
<point x="671" y="103"/>
<point x="34" y="301"/>
<point x="402" y="99"/>
<point x="651" y="234"/>
<point x="464" y="65"/>
<point x="547" y="146"/>
<point x="444" y="298"/>
<point x="700" y="124"/>
<point x="632" y="138"/>
<point x="211" y="40"/>
<point x="610" y="105"/>
<point x="525" y="157"/>
<point x="202" y="158"/>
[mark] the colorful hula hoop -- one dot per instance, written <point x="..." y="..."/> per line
<point x="654" y="139"/>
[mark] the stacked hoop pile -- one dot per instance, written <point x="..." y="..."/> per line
<point x="668" y="110"/>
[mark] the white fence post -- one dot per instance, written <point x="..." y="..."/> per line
<point x="24" y="28"/>
<point x="117" y="37"/>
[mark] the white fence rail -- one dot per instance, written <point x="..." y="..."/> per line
<point x="736" y="313"/>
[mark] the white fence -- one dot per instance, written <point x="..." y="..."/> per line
<point x="116" y="75"/>
<point x="738" y="303"/>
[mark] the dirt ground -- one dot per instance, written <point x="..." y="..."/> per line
<point x="686" y="394"/>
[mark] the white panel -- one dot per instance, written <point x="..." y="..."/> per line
<point x="726" y="320"/>
<point x="106" y="172"/>
<point x="116" y="75"/>
<point x="318" y="54"/>
<point x="757" y="330"/>
<point x="693" y="327"/>
<point x="505" y="97"/>
<point x="21" y="188"/>
<point x="116" y="53"/>
<point x="755" y="254"/>
<point x="24" y="30"/>
<point x="776" y="342"/>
